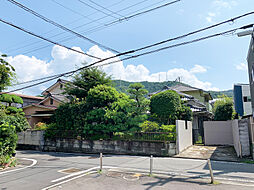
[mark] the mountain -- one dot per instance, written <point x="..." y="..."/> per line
<point x="228" y="93"/>
<point x="122" y="86"/>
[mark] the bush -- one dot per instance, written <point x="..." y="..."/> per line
<point x="13" y="110"/>
<point x="8" y="139"/>
<point x="164" y="106"/>
<point x="17" y="120"/>
<point x="40" y="126"/>
<point x="223" y="109"/>
<point x="149" y="126"/>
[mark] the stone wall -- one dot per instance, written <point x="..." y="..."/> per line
<point x="31" y="140"/>
<point x="112" y="147"/>
<point x="35" y="140"/>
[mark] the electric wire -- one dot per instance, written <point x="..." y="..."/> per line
<point x="113" y="12"/>
<point x="72" y="22"/>
<point x="135" y="56"/>
<point x="111" y="15"/>
<point x="85" y="24"/>
<point x="59" y="25"/>
<point x="45" y="39"/>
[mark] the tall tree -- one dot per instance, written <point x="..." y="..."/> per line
<point x="7" y="73"/>
<point x="138" y="93"/>
<point x="164" y="106"/>
<point x="85" y="80"/>
<point x="223" y="109"/>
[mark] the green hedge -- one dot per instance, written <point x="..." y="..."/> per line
<point x="8" y="139"/>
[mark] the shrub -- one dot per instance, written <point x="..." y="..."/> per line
<point x="17" y="120"/>
<point x="40" y="126"/>
<point x="8" y="139"/>
<point x="164" y="106"/>
<point x="12" y="110"/>
<point x="149" y="126"/>
<point x="223" y="109"/>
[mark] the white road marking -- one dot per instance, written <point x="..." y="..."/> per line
<point x="60" y="183"/>
<point x="33" y="160"/>
<point x="79" y="173"/>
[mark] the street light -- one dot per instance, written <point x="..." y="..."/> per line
<point x="250" y="60"/>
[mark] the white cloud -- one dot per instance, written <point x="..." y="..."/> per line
<point x="221" y="4"/>
<point x="242" y="67"/>
<point x="198" y="69"/>
<point x="29" y="68"/>
<point x="210" y="17"/>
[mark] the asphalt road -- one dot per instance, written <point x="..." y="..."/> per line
<point x="49" y="165"/>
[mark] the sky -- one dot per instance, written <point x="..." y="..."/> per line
<point x="213" y="64"/>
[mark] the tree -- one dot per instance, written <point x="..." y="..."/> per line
<point x="164" y="106"/>
<point x="137" y="93"/>
<point x="7" y="73"/>
<point x="85" y="80"/>
<point x="223" y="109"/>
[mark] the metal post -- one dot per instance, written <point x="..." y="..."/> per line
<point x="151" y="165"/>
<point x="211" y="170"/>
<point x="100" y="161"/>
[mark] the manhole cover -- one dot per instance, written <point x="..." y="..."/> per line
<point x="131" y="177"/>
<point x="114" y="174"/>
<point x="70" y="170"/>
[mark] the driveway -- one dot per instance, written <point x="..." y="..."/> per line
<point x="223" y="153"/>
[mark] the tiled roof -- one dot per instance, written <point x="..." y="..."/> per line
<point x="27" y="96"/>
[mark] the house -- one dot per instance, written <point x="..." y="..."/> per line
<point x="242" y="99"/>
<point x="197" y="93"/>
<point x="27" y="100"/>
<point x="43" y="110"/>
<point x="198" y="101"/>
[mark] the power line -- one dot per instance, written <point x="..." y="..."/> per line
<point x="138" y="55"/>
<point x="144" y="12"/>
<point x="177" y="37"/>
<point x="59" y="25"/>
<point x="111" y="15"/>
<point x="48" y="40"/>
<point x="29" y="51"/>
<point x="71" y="10"/>
<point x="74" y="21"/>
<point x="105" y="8"/>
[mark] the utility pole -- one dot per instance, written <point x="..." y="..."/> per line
<point x="250" y="60"/>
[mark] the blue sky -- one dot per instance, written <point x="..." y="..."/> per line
<point x="216" y="63"/>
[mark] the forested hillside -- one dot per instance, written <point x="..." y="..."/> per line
<point x="122" y="86"/>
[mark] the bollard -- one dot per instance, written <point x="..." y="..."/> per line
<point x="211" y="171"/>
<point x="151" y="165"/>
<point x="100" y="162"/>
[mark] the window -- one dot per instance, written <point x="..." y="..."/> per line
<point x="245" y="99"/>
<point x="61" y="86"/>
<point x="51" y="101"/>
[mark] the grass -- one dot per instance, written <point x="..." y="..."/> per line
<point x="248" y="161"/>
<point x="216" y="183"/>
